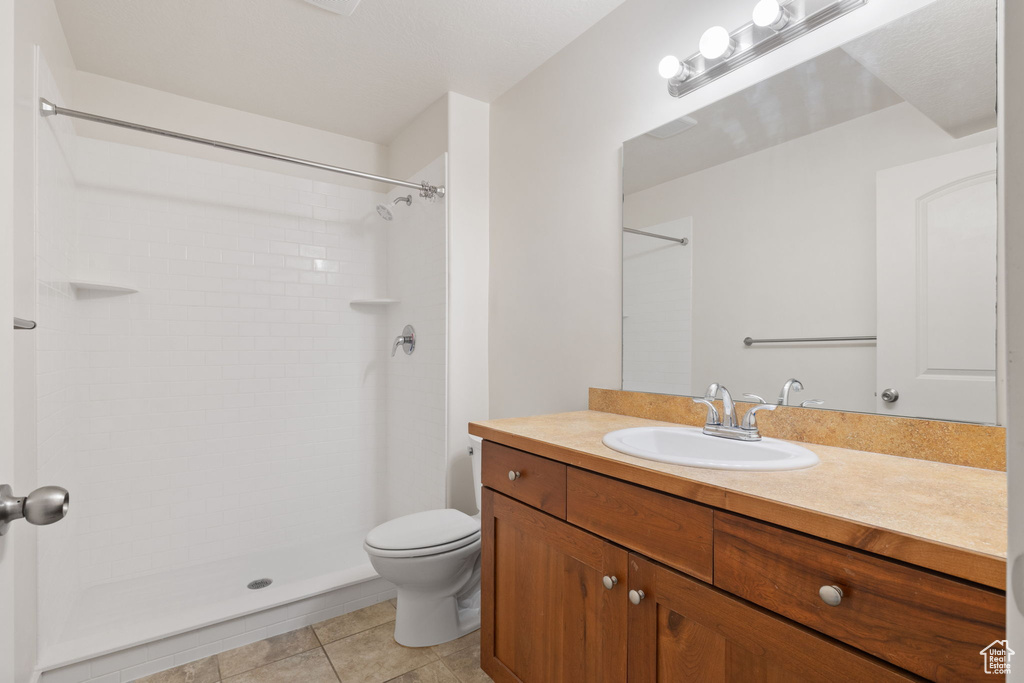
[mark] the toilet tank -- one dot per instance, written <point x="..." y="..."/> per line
<point x="476" y="445"/>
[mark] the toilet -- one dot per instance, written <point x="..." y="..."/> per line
<point x="433" y="558"/>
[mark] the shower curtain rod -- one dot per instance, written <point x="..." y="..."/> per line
<point x="47" y="108"/>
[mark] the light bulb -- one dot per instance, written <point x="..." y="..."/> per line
<point x="671" y="68"/>
<point x="770" y="14"/>
<point x="716" y="43"/>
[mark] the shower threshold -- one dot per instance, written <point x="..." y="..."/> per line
<point x="113" y="616"/>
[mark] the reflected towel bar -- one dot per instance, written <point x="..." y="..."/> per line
<point x="22" y="324"/>
<point x="750" y="341"/>
<point x="680" y="240"/>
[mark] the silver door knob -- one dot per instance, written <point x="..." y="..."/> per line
<point x="45" y="505"/>
<point x="610" y="581"/>
<point x="513" y="475"/>
<point x="831" y="595"/>
<point x="890" y="395"/>
<point x="636" y="596"/>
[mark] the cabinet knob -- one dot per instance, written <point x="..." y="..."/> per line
<point x="831" y="595"/>
<point x="610" y="581"/>
<point x="513" y="475"/>
<point x="636" y="596"/>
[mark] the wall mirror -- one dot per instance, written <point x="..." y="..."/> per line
<point x="835" y="224"/>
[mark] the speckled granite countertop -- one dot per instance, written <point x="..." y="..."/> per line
<point x="943" y="517"/>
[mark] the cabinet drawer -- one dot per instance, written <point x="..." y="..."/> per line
<point x="928" y="624"/>
<point x="539" y="482"/>
<point x="662" y="527"/>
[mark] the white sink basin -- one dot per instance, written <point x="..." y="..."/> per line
<point x="691" y="447"/>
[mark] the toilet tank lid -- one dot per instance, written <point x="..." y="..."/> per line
<point x="423" y="530"/>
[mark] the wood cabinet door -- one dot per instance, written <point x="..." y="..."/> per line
<point x="683" y="630"/>
<point x="546" y="614"/>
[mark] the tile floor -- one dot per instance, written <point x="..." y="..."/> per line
<point x="358" y="647"/>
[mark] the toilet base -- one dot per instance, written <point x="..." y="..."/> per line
<point x="423" y="620"/>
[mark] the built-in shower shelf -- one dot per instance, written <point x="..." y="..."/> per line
<point x="374" y="302"/>
<point x="92" y="286"/>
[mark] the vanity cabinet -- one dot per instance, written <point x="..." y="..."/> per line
<point x="685" y="630"/>
<point x="549" y="616"/>
<point x="618" y="582"/>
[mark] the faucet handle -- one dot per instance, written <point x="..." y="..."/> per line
<point x="757" y="399"/>
<point x="750" y="419"/>
<point x="712" y="418"/>
<point x="812" y="402"/>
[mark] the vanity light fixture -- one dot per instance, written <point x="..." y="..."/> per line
<point x="770" y="14"/>
<point x="716" y="43"/>
<point x="775" y="23"/>
<point x="672" y="69"/>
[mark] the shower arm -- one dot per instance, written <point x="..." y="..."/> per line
<point x="47" y="108"/>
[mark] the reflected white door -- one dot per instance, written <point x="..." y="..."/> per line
<point x="937" y="286"/>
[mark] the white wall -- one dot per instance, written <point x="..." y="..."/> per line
<point x="26" y="25"/>
<point x="555" y="187"/>
<point x="805" y="225"/>
<point x="121" y="100"/>
<point x="468" y="268"/>
<point x="419" y="143"/>
<point x="13" y="557"/>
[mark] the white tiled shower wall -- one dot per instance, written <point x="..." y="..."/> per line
<point x="58" y="394"/>
<point x="235" y="403"/>
<point x="416" y="393"/>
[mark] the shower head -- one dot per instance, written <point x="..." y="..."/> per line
<point x="385" y="209"/>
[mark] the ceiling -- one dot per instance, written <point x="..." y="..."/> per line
<point x="366" y="75"/>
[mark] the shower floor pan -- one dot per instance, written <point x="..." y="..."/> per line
<point x="113" y="616"/>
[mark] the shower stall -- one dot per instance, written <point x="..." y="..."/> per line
<point x="215" y="386"/>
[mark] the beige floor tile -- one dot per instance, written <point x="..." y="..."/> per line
<point x="465" y="664"/>
<point x="202" y="671"/>
<point x="445" y="649"/>
<point x="373" y="656"/>
<point x="354" y="622"/>
<point x="308" y="667"/>
<point x="264" y="652"/>
<point x="435" y="672"/>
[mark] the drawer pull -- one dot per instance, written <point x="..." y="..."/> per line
<point x="831" y="595"/>
<point x="636" y="596"/>
<point x="610" y="581"/>
<point x="513" y="475"/>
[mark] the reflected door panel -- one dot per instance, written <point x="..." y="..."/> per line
<point x="936" y="286"/>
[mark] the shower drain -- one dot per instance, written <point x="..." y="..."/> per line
<point x="259" y="583"/>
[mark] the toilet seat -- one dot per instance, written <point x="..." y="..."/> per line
<point x="423" y="533"/>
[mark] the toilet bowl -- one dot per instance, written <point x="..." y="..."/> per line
<point x="433" y="559"/>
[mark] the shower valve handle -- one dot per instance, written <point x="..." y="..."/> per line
<point x="407" y="340"/>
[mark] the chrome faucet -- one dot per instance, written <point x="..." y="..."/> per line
<point x="728" y="406"/>
<point x="726" y="426"/>
<point x="790" y="385"/>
